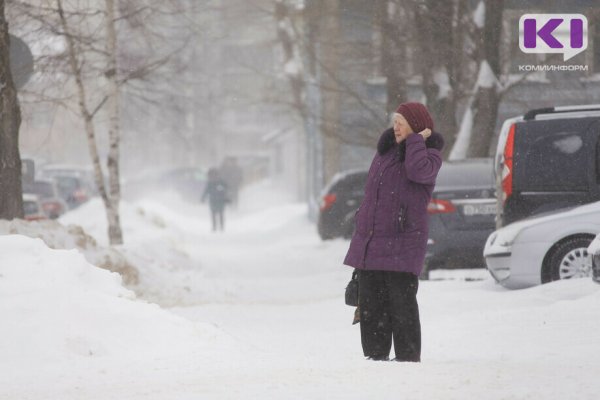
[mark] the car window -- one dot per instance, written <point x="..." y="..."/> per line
<point x="465" y="175"/>
<point x="350" y="183"/>
<point x="30" y="207"/>
<point x="555" y="160"/>
<point x="67" y="185"/>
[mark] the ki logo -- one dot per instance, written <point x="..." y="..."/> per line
<point x="553" y="33"/>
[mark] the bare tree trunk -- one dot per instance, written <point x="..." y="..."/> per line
<point x="438" y="44"/>
<point x="331" y="95"/>
<point x="291" y="56"/>
<point x="11" y="197"/>
<point x="89" y="126"/>
<point x="115" y="234"/>
<point x="487" y="98"/>
<point x="393" y="52"/>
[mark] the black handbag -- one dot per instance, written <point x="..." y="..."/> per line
<point x="352" y="290"/>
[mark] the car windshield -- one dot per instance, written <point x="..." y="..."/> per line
<point x="67" y="184"/>
<point x="43" y="189"/>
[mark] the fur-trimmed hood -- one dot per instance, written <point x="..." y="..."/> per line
<point x="387" y="141"/>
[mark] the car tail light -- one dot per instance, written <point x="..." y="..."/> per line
<point x="80" y="195"/>
<point x="507" y="170"/>
<point x="437" y="206"/>
<point x="50" y="206"/>
<point x="328" y="201"/>
<point x="35" y="217"/>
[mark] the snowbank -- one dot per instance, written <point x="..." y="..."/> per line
<point x="57" y="236"/>
<point x="62" y="314"/>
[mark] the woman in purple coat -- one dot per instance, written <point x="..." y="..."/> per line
<point x="390" y="239"/>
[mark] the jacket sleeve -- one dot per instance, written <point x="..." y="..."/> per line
<point x="422" y="163"/>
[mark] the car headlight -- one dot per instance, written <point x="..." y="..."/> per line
<point x="506" y="242"/>
<point x="507" y="237"/>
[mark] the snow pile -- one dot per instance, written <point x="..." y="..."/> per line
<point x="157" y="238"/>
<point x="62" y="314"/>
<point x="181" y="262"/>
<point x="57" y="236"/>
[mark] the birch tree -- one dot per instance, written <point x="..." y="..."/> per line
<point x="114" y="193"/>
<point x="11" y="201"/>
<point x="89" y="60"/>
<point x="111" y="203"/>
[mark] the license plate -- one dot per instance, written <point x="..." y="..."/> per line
<point x="479" y="209"/>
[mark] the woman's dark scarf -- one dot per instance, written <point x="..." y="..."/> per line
<point x="387" y="141"/>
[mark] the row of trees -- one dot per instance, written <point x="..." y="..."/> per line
<point x="83" y="48"/>
<point x="450" y="48"/>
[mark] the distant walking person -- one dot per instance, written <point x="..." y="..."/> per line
<point x="217" y="193"/>
<point x="232" y="174"/>
<point x="389" y="242"/>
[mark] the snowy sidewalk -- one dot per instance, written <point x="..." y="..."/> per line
<point x="264" y="317"/>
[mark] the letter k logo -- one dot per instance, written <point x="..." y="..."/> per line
<point x="545" y="33"/>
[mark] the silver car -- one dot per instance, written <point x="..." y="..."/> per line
<point x="544" y="248"/>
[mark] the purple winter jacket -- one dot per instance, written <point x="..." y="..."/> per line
<point x="392" y="222"/>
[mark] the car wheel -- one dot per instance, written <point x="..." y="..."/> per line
<point x="428" y="266"/>
<point x="349" y="230"/>
<point x="568" y="260"/>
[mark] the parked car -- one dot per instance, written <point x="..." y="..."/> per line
<point x="339" y="201"/>
<point x="72" y="189"/>
<point x="543" y="248"/>
<point x="32" y="208"/>
<point x="594" y="251"/>
<point x="546" y="160"/>
<point x="47" y="192"/>
<point x="461" y="212"/>
<point x="462" y="215"/>
<point x="75" y="183"/>
<point x="86" y="173"/>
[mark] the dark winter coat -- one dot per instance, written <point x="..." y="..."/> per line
<point x="217" y="193"/>
<point x="392" y="222"/>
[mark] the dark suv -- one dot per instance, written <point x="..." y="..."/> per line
<point x="339" y="202"/>
<point x="546" y="160"/>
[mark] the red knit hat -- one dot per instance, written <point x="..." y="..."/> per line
<point x="417" y="116"/>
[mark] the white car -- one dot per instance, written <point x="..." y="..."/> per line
<point x="544" y="248"/>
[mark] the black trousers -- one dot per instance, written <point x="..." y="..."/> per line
<point x="218" y="218"/>
<point x="388" y="309"/>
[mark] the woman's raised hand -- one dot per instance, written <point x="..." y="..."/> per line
<point x="425" y="133"/>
